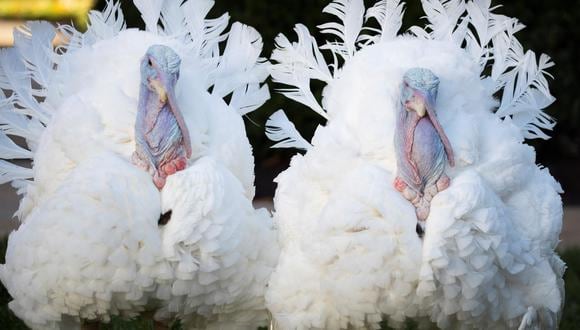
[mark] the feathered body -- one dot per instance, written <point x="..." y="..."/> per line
<point x="350" y="254"/>
<point x="90" y="245"/>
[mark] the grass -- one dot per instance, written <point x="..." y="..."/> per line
<point x="570" y="316"/>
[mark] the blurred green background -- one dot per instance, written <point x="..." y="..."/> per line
<point x="551" y="29"/>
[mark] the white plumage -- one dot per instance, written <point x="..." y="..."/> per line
<point x="349" y="250"/>
<point x="89" y="245"/>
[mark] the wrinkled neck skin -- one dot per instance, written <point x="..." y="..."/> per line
<point x="404" y="138"/>
<point x="150" y="106"/>
<point x="160" y="146"/>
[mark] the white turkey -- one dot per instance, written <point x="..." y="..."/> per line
<point x="418" y="198"/>
<point x="140" y="195"/>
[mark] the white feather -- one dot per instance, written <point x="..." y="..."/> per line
<point x="298" y="63"/>
<point x="150" y="12"/>
<point x="248" y="98"/>
<point x="302" y="58"/>
<point x="213" y="34"/>
<point x="34" y="43"/>
<point x="240" y="63"/>
<point x="195" y="22"/>
<point x="389" y="15"/>
<point x="445" y="21"/>
<point x="10" y="150"/>
<point x="105" y="24"/>
<point x="14" y="123"/>
<point x="173" y="19"/>
<point x="526" y="94"/>
<point x="13" y="76"/>
<point x="350" y="13"/>
<point x="283" y="131"/>
<point x="10" y="172"/>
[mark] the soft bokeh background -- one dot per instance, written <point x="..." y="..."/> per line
<point x="552" y="28"/>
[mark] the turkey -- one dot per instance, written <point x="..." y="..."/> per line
<point x="418" y="198"/>
<point x="139" y="200"/>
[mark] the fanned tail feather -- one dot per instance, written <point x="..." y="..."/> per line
<point x="105" y="24"/>
<point x="445" y="20"/>
<point x="241" y="70"/>
<point x="519" y="74"/>
<point x="389" y="15"/>
<point x="197" y="26"/>
<point x="15" y="77"/>
<point x="240" y="63"/>
<point x="298" y="63"/>
<point x="34" y="43"/>
<point x="280" y="129"/>
<point x="173" y="19"/>
<point x="150" y="12"/>
<point x="10" y="172"/>
<point x="249" y="98"/>
<point x="350" y="13"/>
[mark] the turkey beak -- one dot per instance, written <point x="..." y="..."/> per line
<point x="417" y="103"/>
<point x="165" y="88"/>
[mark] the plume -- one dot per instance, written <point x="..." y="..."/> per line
<point x="105" y="24"/>
<point x="249" y="98"/>
<point x="350" y="13"/>
<point x="240" y="63"/>
<point x="444" y="20"/>
<point x="34" y="43"/>
<point x="15" y="77"/>
<point x="519" y="75"/>
<point x="526" y="93"/>
<point x="298" y="63"/>
<point x="282" y="130"/>
<point x="389" y="15"/>
<point x="10" y="172"/>
<point x="173" y="19"/>
<point x="150" y="11"/>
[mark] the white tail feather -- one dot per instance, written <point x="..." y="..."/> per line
<point x="444" y="19"/>
<point x="195" y="23"/>
<point x="302" y="57"/>
<point x="298" y="63"/>
<point x="283" y="131"/>
<point x="14" y="76"/>
<point x="214" y="29"/>
<point x="105" y="24"/>
<point x="249" y="98"/>
<point x="350" y="13"/>
<point x="526" y="93"/>
<point x="150" y="11"/>
<point x="10" y="150"/>
<point x="240" y="64"/>
<point x="522" y="77"/>
<point x="389" y="15"/>
<point x="10" y="172"/>
<point x="34" y="43"/>
<point x="173" y="19"/>
<point x="16" y="124"/>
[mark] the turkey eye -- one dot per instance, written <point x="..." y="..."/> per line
<point x="149" y="62"/>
